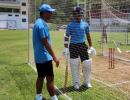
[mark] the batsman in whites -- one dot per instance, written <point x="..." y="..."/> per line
<point x="74" y="41"/>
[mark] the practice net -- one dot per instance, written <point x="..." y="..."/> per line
<point x="111" y="20"/>
<point x="104" y="80"/>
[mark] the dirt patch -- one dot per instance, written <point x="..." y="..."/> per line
<point x="124" y="55"/>
<point x="118" y="77"/>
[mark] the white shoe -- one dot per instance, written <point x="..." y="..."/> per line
<point x="76" y="87"/>
<point x="54" y="97"/>
<point x="39" y="97"/>
<point x="87" y="85"/>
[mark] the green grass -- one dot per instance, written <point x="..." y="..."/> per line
<point x="98" y="92"/>
<point x="118" y="37"/>
<point x="17" y="79"/>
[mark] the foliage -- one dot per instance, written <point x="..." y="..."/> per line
<point x="63" y="7"/>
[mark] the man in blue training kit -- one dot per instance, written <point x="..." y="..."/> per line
<point x="43" y="52"/>
<point x="76" y="33"/>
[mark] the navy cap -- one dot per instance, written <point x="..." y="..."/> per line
<point x="78" y="9"/>
<point x="46" y="8"/>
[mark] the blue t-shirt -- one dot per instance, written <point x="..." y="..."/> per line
<point x="77" y="31"/>
<point x="41" y="30"/>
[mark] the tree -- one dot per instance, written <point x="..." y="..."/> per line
<point x="62" y="15"/>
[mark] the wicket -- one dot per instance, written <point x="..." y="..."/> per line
<point x="111" y="58"/>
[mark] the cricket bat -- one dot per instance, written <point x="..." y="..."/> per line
<point x="66" y="73"/>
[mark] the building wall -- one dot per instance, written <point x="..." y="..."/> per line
<point x="14" y="12"/>
<point x="24" y="14"/>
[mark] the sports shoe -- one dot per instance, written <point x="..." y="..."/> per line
<point x="87" y="85"/>
<point x="39" y="97"/>
<point x="54" y="97"/>
<point x="76" y="87"/>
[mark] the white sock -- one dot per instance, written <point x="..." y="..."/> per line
<point x="39" y="94"/>
<point x="54" y="97"/>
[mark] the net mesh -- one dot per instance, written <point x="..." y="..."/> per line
<point x="98" y="14"/>
<point x="115" y="23"/>
<point x="112" y="20"/>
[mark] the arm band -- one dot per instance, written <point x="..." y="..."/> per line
<point x="66" y="39"/>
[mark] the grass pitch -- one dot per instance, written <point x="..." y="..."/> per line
<point x="17" y="78"/>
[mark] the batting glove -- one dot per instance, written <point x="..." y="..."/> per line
<point x="92" y="52"/>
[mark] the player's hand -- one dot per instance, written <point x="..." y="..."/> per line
<point x="57" y="62"/>
<point x="65" y="53"/>
<point x="92" y="52"/>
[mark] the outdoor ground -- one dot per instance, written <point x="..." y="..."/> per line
<point x="17" y="78"/>
<point x="117" y="77"/>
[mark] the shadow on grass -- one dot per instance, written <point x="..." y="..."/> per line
<point x="20" y="64"/>
<point x="69" y="89"/>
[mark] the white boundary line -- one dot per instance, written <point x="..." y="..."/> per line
<point x="112" y="86"/>
<point x="120" y="83"/>
<point x="67" y="97"/>
<point x="104" y="83"/>
<point x="109" y="85"/>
